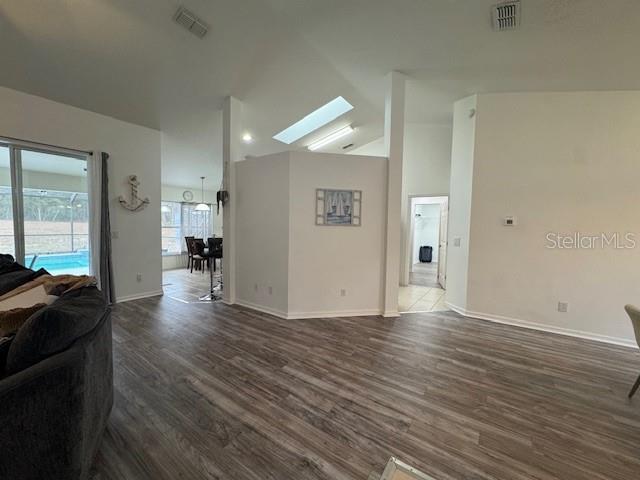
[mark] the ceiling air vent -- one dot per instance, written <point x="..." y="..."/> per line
<point x="191" y="22"/>
<point x="506" y="15"/>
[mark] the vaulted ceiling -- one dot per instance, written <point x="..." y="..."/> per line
<point x="283" y="58"/>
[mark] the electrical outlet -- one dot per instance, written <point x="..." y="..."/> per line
<point x="457" y="242"/>
<point x="139" y="277"/>
<point x="343" y="293"/>
<point x="115" y="234"/>
<point x="563" y="307"/>
<point x="270" y="289"/>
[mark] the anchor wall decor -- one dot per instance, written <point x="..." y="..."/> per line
<point x="136" y="203"/>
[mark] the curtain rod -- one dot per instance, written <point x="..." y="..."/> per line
<point x="36" y="145"/>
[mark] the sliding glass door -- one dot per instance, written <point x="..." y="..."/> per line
<point x="47" y="198"/>
<point x="7" y="237"/>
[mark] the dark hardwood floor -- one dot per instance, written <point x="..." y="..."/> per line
<point x="213" y="392"/>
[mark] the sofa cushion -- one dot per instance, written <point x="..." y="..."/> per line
<point x="55" y="327"/>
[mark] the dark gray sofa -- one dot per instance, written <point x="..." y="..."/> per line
<point x="57" y="390"/>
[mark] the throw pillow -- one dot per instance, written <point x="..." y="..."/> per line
<point x="56" y="327"/>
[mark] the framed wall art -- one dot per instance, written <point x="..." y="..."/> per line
<point x="338" y="208"/>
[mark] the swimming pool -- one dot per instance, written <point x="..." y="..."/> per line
<point x="76" y="263"/>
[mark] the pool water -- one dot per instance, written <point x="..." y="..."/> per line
<point x="76" y="263"/>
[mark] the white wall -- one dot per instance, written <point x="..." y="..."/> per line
<point x="426" y="172"/>
<point x="262" y="233"/>
<point x="192" y="148"/>
<point x="133" y="150"/>
<point x="426" y="230"/>
<point x="173" y="193"/>
<point x="559" y="162"/>
<point x="280" y="246"/>
<point x="327" y="259"/>
<point x="462" y="157"/>
<point x="427" y="158"/>
<point x="374" y="149"/>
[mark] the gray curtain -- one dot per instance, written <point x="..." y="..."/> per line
<point x="106" y="270"/>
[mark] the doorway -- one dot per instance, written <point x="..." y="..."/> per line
<point x="428" y="229"/>
<point x="426" y="255"/>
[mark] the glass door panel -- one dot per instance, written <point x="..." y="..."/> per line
<point x="56" y="212"/>
<point x="7" y="238"/>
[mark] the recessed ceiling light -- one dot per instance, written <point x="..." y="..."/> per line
<point x="343" y="132"/>
<point x="316" y="119"/>
<point x="247" y="138"/>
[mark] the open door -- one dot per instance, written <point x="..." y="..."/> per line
<point x="442" y="244"/>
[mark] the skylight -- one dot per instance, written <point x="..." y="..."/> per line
<point x="319" y="118"/>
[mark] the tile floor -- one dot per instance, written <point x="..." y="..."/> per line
<point x="416" y="298"/>
<point x="424" y="274"/>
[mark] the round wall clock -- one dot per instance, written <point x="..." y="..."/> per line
<point x="187" y="195"/>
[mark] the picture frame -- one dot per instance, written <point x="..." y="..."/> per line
<point x="338" y="207"/>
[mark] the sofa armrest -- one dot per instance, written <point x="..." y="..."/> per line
<point x="53" y="414"/>
<point x="39" y="411"/>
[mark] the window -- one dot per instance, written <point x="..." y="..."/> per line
<point x="44" y="208"/>
<point x="194" y="223"/>
<point x="171" y="237"/>
<point x="316" y="119"/>
<point x="181" y="220"/>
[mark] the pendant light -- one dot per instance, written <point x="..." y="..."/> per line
<point x="202" y="207"/>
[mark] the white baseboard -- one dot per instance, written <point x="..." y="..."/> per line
<point x="138" y="296"/>
<point x="333" y="314"/>
<point x="543" y="327"/>
<point x="259" y="308"/>
<point x="391" y="314"/>
<point x="306" y="315"/>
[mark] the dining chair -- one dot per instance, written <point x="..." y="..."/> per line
<point x="198" y="257"/>
<point x="189" y="252"/>
<point x="634" y="315"/>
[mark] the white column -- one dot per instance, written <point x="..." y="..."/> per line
<point x="231" y="153"/>
<point x="394" y="147"/>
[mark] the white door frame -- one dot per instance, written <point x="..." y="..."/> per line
<point x="443" y="243"/>
<point x="408" y="260"/>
